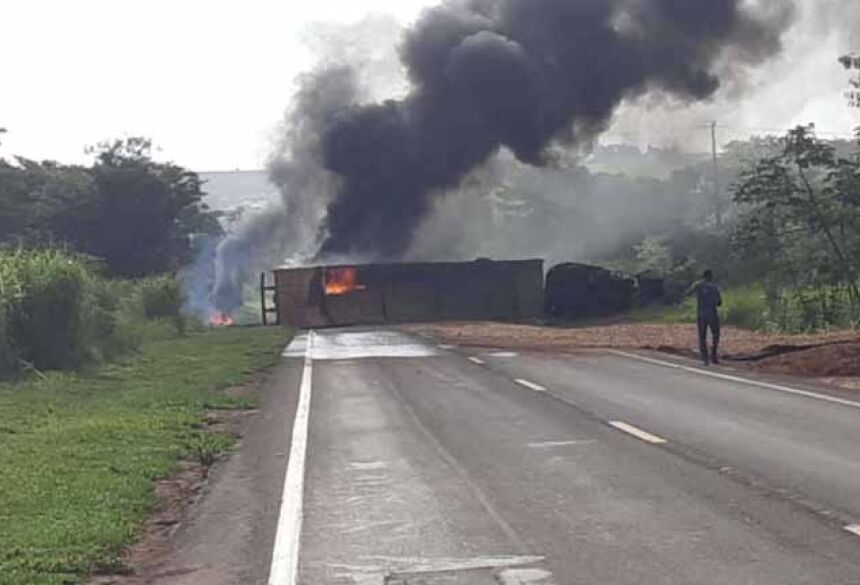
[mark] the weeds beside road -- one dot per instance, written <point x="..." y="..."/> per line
<point x="79" y="451"/>
<point x="747" y="307"/>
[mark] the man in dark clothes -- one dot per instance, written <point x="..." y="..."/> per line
<point x="708" y="299"/>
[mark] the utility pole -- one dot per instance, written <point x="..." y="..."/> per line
<point x="718" y="206"/>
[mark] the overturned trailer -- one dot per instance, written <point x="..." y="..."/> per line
<point x="330" y="296"/>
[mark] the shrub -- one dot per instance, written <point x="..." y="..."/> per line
<point x="57" y="312"/>
<point x="44" y="295"/>
<point x="813" y="310"/>
<point x="162" y="298"/>
<point x="745" y="307"/>
<point x="7" y="353"/>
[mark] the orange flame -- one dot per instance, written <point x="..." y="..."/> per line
<point x="341" y="281"/>
<point x="221" y="319"/>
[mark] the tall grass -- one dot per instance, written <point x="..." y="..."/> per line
<point x="44" y="298"/>
<point x="162" y="297"/>
<point x="786" y="311"/>
<point x="813" y="310"/>
<point x="58" y="312"/>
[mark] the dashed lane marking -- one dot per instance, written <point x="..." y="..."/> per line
<point x="502" y="354"/>
<point x="747" y="381"/>
<point x="478" y="361"/>
<point x="285" y="555"/>
<point x="530" y="385"/>
<point x="550" y="444"/>
<point x="637" y="432"/>
<point x="853" y="529"/>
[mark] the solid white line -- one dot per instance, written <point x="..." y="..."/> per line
<point x="854" y="529"/>
<point x="530" y="385"/>
<point x="478" y="361"/>
<point x="747" y="381"/>
<point x="638" y="433"/>
<point x="285" y="555"/>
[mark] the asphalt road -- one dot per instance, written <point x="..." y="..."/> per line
<point x="411" y="463"/>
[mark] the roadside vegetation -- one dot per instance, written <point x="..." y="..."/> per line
<point x="749" y="307"/>
<point x="105" y="380"/>
<point x="89" y="255"/>
<point x="138" y="216"/>
<point x="79" y="452"/>
<point x="784" y="236"/>
<point x="59" y="312"/>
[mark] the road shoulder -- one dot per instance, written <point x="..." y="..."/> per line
<point x="219" y="530"/>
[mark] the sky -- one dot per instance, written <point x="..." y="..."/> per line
<point x="208" y="81"/>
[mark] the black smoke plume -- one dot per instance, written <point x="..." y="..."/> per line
<point x="522" y="75"/>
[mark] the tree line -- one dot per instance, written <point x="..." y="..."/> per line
<point x="138" y="216"/>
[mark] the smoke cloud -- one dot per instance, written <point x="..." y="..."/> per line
<point x="352" y="70"/>
<point x="481" y="87"/>
<point x="802" y="84"/>
<point x="522" y="75"/>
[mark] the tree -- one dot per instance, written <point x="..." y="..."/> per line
<point x="138" y="215"/>
<point x="801" y="215"/>
<point x="146" y="212"/>
<point x="852" y="64"/>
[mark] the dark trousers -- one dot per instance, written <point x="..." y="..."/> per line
<point x="709" y="321"/>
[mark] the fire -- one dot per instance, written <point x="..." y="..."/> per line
<point x="221" y="319"/>
<point x="341" y="281"/>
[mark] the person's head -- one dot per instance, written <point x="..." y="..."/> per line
<point x="708" y="275"/>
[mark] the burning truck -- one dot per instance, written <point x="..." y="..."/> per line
<point x="374" y="294"/>
<point x="331" y="296"/>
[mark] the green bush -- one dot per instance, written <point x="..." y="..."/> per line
<point x="813" y="310"/>
<point x="44" y="297"/>
<point x="745" y="307"/>
<point x="787" y="311"/>
<point x="162" y="297"/>
<point x="7" y="352"/>
<point x="57" y="312"/>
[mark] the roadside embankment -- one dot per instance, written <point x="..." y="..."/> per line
<point x="81" y="453"/>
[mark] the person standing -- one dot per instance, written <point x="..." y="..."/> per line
<point x="708" y="300"/>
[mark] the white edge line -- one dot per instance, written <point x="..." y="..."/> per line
<point x="853" y="529"/>
<point x="637" y="432"/>
<point x="747" y="381"/>
<point x="285" y="553"/>
<point x="530" y="385"/>
<point x="478" y="361"/>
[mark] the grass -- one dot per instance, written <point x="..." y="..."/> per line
<point x="744" y="307"/>
<point x="797" y="311"/>
<point x="79" y="451"/>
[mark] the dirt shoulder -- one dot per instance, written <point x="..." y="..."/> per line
<point x="834" y="356"/>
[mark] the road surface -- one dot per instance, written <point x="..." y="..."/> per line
<point x="401" y="462"/>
